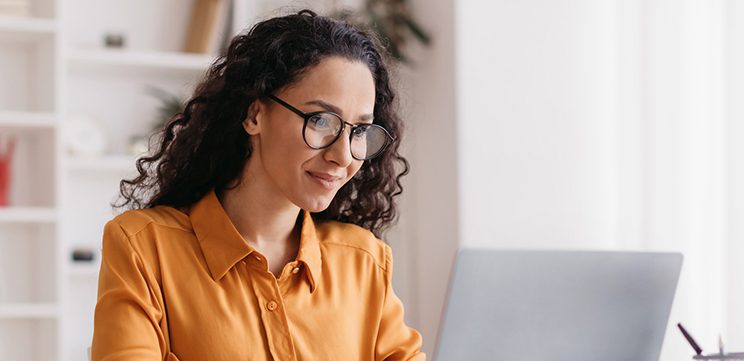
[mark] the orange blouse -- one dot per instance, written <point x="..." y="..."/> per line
<point x="176" y="286"/>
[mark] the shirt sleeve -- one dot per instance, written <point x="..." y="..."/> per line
<point x="128" y="313"/>
<point x="395" y="340"/>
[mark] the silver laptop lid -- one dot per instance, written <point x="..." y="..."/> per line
<point x="511" y="305"/>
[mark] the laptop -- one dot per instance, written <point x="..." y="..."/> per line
<point x="510" y="305"/>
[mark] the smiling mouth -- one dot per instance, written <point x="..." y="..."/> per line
<point x="326" y="181"/>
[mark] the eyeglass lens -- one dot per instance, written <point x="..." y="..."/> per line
<point x="366" y="140"/>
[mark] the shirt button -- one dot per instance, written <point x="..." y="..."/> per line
<point x="271" y="305"/>
<point x="296" y="270"/>
<point x="258" y="257"/>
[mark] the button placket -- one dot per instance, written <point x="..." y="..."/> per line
<point x="276" y="308"/>
<point x="271" y="304"/>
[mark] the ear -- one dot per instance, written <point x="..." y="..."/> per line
<point x="251" y="122"/>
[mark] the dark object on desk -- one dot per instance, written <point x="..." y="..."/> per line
<point x="721" y="355"/>
<point x="82" y="255"/>
<point x="691" y="340"/>
<point x="114" y="40"/>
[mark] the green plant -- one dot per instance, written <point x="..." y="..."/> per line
<point x="170" y="105"/>
<point x="391" y="20"/>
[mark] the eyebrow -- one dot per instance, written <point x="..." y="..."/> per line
<point x="332" y="108"/>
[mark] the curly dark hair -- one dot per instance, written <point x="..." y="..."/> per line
<point x="205" y="147"/>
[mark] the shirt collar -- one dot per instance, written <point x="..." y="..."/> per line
<point x="309" y="252"/>
<point x="223" y="246"/>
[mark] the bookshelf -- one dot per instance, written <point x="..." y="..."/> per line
<point x="55" y="68"/>
<point x="28" y="311"/>
<point x="39" y="215"/>
<point x="108" y="163"/>
<point x="15" y="120"/>
<point x="29" y="113"/>
<point x="139" y="61"/>
<point x="26" y="30"/>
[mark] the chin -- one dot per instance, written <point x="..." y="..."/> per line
<point x="316" y="205"/>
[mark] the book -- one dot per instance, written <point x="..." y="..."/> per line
<point x="14" y="8"/>
<point x="224" y="28"/>
<point x="206" y="26"/>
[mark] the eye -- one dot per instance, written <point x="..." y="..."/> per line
<point x="360" y="131"/>
<point x="320" y="122"/>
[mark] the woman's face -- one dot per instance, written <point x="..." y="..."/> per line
<point x="282" y="162"/>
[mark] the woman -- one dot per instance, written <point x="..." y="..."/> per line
<point x="255" y="230"/>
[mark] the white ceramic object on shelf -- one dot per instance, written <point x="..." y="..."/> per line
<point x="83" y="136"/>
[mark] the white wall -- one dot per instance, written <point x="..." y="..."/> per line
<point x="735" y="115"/>
<point x="601" y="125"/>
<point x="536" y="110"/>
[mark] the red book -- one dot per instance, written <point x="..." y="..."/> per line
<point x="6" y="157"/>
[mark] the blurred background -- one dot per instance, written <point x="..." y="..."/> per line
<point x="570" y="124"/>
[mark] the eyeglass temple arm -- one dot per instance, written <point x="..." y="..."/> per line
<point x="286" y="105"/>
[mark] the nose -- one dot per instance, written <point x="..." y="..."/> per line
<point x="340" y="151"/>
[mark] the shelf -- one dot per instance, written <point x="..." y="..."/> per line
<point x="28" y="214"/>
<point x="28" y="310"/>
<point x="87" y="270"/>
<point x="26" y="29"/>
<point x="27" y="120"/>
<point x="107" y="163"/>
<point x="111" y="59"/>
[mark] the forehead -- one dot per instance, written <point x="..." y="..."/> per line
<point x="345" y="83"/>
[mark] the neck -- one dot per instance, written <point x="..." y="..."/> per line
<point x="264" y="219"/>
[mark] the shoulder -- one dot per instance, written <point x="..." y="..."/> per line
<point x="133" y="222"/>
<point x="349" y="238"/>
<point x="146" y="234"/>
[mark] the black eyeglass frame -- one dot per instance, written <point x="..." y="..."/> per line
<point x="306" y="117"/>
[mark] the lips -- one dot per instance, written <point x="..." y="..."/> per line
<point x="326" y="180"/>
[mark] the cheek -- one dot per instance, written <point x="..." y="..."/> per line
<point x="284" y="144"/>
<point x="287" y="159"/>
<point x="283" y="155"/>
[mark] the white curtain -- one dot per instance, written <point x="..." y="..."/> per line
<point x="673" y="154"/>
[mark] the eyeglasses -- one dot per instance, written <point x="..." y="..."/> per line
<point x="321" y="129"/>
